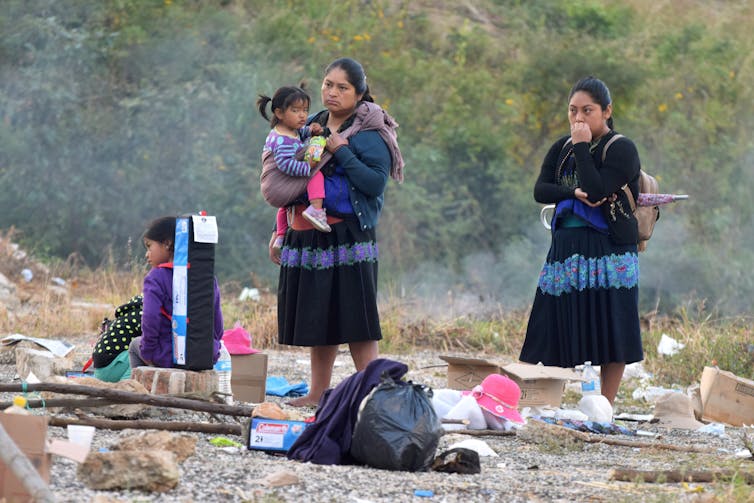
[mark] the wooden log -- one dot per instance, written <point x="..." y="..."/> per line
<point x="122" y="396"/>
<point x="482" y="433"/>
<point x="674" y="476"/>
<point x="22" y="468"/>
<point x="112" y="424"/>
<point x="72" y="403"/>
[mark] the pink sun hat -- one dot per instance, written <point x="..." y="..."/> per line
<point x="238" y="341"/>
<point x="499" y="395"/>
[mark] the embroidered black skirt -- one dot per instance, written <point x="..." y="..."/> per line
<point x="586" y="305"/>
<point x="327" y="292"/>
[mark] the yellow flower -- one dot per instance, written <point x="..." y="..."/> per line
<point x="335" y="38"/>
<point x="358" y="38"/>
<point x="367" y="37"/>
<point x="311" y="40"/>
<point x="508" y="101"/>
<point x="679" y="95"/>
<point x="168" y="2"/>
<point x="400" y="24"/>
<point x="662" y="108"/>
<point x="732" y="74"/>
<point x="380" y="14"/>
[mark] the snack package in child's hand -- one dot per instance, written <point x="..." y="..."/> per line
<point x="315" y="149"/>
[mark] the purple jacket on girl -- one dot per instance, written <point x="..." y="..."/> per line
<point x="156" y="334"/>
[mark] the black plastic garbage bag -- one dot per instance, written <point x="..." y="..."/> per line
<point x="397" y="428"/>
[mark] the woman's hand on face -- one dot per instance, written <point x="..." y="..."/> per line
<point x="583" y="197"/>
<point x="580" y="132"/>
<point x="335" y="141"/>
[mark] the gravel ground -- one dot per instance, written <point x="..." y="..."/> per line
<point x="524" y="470"/>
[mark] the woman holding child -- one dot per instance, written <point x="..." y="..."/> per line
<point x="327" y="293"/>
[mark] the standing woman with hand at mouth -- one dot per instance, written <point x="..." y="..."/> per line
<point x="586" y="304"/>
<point x="327" y="292"/>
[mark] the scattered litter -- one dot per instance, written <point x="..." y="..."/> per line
<point x="279" y="386"/>
<point x="32" y="378"/>
<point x="27" y="275"/>
<point x="597" y="408"/>
<point x="467" y="408"/>
<point x="744" y="454"/>
<point x="444" y="399"/>
<point x="270" y="410"/>
<point x="650" y="394"/>
<point x="224" y="442"/>
<point x="717" y="429"/>
<point x="57" y="348"/>
<point x="636" y="371"/>
<point x="250" y="294"/>
<point x="58" y="281"/>
<point x="464" y="461"/>
<point x="645" y="433"/>
<point x="571" y="414"/>
<point x="480" y="446"/>
<point x="605" y="428"/>
<point x="669" y="346"/>
<point x="423" y="493"/>
<point x="675" y="410"/>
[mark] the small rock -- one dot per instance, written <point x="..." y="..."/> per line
<point x="152" y="470"/>
<point x="182" y="446"/>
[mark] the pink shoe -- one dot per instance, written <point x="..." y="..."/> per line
<point x="318" y="218"/>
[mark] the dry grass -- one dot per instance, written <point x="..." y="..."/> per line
<point x="46" y="309"/>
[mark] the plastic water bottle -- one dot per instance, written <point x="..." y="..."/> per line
<point x="591" y="383"/>
<point x="223" y="369"/>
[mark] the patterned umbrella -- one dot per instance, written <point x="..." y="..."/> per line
<point x="646" y="199"/>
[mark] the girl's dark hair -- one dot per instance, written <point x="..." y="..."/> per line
<point x="355" y="74"/>
<point x="282" y="99"/>
<point x="597" y="89"/>
<point x="161" y="230"/>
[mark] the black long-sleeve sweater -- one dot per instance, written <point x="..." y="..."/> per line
<point x="599" y="180"/>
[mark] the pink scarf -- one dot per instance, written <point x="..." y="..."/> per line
<point x="371" y="117"/>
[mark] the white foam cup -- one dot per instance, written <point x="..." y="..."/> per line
<point x="80" y="434"/>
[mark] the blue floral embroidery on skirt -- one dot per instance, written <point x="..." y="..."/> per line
<point x="308" y="258"/>
<point x="578" y="273"/>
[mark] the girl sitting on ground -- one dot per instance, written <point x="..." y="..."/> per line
<point x="154" y="347"/>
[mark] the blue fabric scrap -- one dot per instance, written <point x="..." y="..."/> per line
<point x="279" y="386"/>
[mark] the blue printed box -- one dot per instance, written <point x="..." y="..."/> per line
<point x="274" y="434"/>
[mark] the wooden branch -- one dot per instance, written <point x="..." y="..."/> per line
<point x="22" y="468"/>
<point x="130" y="397"/>
<point x="482" y="433"/>
<point x="663" y="476"/>
<point x="111" y="424"/>
<point x="72" y="403"/>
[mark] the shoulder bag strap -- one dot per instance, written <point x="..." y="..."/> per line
<point x="631" y="200"/>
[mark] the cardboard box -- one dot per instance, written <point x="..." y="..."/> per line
<point x="726" y="398"/>
<point x="29" y="433"/>
<point x="540" y="385"/>
<point x="274" y="434"/>
<point x="248" y="377"/>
